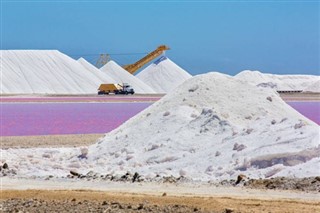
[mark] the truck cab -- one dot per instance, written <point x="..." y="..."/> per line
<point x="127" y="89"/>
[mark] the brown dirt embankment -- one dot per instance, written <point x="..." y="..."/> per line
<point x="95" y="201"/>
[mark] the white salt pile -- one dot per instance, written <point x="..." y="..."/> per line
<point x="163" y="75"/>
<point x="315" y="87"/>
<point x="104" y="77"/>
<point x="122" y="76"/>
<point x="212" y="127"/>
<point x="45" y="72"/>
<point x="277" y="82"/>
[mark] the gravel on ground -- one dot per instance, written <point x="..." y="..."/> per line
<point x="95" y="201"/>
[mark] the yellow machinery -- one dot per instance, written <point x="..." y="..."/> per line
<point x="116" y="89"/>
<point x="109" y="87"/>
<point x="132" y="68"/>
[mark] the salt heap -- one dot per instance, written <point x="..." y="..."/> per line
<point x="163" y="75"/>
<point x="277" y="82"/>
<point x="122" y="76"/>
<point x="45" y="72"/>
<point x="212" y="127"/>
<point x="315" y="87"/>
<point x="106" y="78"/>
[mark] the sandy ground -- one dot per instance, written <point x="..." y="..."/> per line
<point x="93" y="201"/>
<point x="117" y="197"/>
<point x="49" y="141"/>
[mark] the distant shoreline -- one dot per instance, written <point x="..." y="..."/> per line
<point x="300" y="96"/>
<point x="308" y="96"/>
<point x="49" y="141"/>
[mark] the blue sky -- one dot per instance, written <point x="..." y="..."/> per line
<point x="225" y="36"/>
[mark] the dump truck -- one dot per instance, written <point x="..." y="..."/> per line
<point x="124" y="89"/>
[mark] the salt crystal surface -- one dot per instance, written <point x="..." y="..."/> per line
<point x="163" y="75"/>
<point x="208" y="114"/>
<point x="104" y="77"/>
<point x="277" y="82"/>
<point x="315" y="87"/>
<point x="45" y="72"/>
<point x="52" y="72"/>
<point x="212" y="127"/>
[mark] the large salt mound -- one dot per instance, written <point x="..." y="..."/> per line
<point x="315" y="87"/>
<point x="212" y="127"/>
<point x="45" y="72"/>
<point x="163" y="75"/>
<point x="105" y="78"/>
<point x="122" y="76"/>
<point x="277" y="82"/>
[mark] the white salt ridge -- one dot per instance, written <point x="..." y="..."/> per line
<point x="277" y="82"/>
<point x="45" y="72"/>
<point x="212" y="127"/>
<point x="104" y="77"/>
<point x="315" y="87"/>
<point x="163" y="75"/>
<point x="122" y="76"/>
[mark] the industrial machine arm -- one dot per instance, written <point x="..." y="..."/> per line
<point x="132" y="68"/>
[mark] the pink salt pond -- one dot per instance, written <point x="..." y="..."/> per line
<point x="23" y="119"/>
<point x="310" y="110"/>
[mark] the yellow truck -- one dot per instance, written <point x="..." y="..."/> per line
<point x="106" y="89"/>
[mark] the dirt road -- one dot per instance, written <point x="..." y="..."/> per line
<point x="83" y="196"/>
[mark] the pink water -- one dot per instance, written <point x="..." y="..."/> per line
<point x="22" y="119"/>
<point x="64" y="118"/>
<point x="310" y="110"/>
